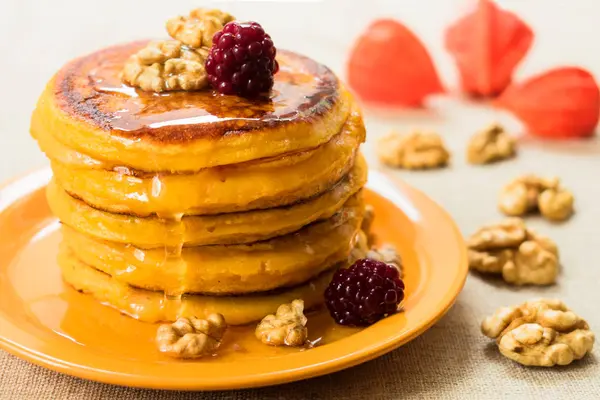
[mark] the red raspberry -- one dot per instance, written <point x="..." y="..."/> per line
<point x="242" y="60"/>
<point x="364" y="293"/>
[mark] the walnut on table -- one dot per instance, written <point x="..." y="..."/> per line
<point x="414" y="151"/>
<point x="287" y="327"/>
<point x="556" y="204"/>
<point x="542" y="333"/>
<point x="530" y="193"/>
<point x="490" y="145"/>
<point x="191" y="337"/>
<point x="517" y="253"/>
<point x="508" y="233"/>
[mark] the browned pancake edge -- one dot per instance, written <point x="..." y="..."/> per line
<point x="89" y="90"/>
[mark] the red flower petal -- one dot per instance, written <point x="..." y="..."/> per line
<point x="390" y="65"/>
<point x="487" y="45"/>
<point x="563" y="102"/>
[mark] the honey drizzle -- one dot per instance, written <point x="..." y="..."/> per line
<point x="301" y="85"/>
<point x="172" y="302"/>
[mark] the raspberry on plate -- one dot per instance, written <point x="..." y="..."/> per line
<point x="242" y="60"/>
<point x="364" y="293"/>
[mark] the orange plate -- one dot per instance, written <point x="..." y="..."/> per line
<point x="48" y="323"/>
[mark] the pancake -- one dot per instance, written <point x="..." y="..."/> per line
<point x="87" y="108"/>
<point x="253" y="185"/>
<point x="56" y="150"/>
<point x="150" y="306"/>
<point x="236" y="228"/>
<point x="226" y="269"/>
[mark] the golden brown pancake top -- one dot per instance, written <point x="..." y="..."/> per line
<point x="89" y="89"/>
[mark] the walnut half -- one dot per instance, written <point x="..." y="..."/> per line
<point x="191" y="337"/>
<point x="388" y="254"/>
<point x="541" y="333"/>
<point x="519" y="254"/>
<point x="177" y="64"/>
<point x="556" y="204"/>
<point x="415" y="151"/>
<point x="490" y="145"/>
<point x="198" y="28"/>
<point x="165" y="66"/>
<point x="532" y="193"/>
<point x="286" y="328"/>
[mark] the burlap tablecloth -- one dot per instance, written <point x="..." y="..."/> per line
<point x="450" y="361"/>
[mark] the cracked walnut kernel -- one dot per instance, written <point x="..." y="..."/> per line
<point x="519" y="254"/>
<point x="556" y="204"/>
<point x="388" y="254"/>
<point x="177" y="64"/>
<point x="286" y="328"/>
<point x="508" y="233"/>
<point x="541" y="333"/>
<point x="490" y="145"/>
<point x="164" y="66"/>
<point x="198" y="28"/>
<point x="415" y="151"/>
<point x="532" y="264"/>
<point x="191" y="337"/>
<point x="530" y="193"/>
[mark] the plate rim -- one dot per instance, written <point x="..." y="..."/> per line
<point x="335" y="364"/>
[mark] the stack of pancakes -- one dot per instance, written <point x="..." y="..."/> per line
<point x="189" y="203"/>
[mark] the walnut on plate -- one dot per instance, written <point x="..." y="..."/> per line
<point x="388" y="254"/>
<point x="414" y="151"/>
<point x="541" y="333"/>
<point x="287" y="327"/>
<point x="517" y="253"/>
<point x="198" y="28"/>
<point x="490" y="145"/>
<point x="530" y="193"/>
<point x="191" y="337"/>
<point x="360" y="248"/>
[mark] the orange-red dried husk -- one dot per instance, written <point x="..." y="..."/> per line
<point x="563" y="102"/>
<point x="389" y="65"/>
<point x="487" y="44"/>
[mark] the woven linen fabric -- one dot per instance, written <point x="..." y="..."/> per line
<point x="452" y="360"/>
